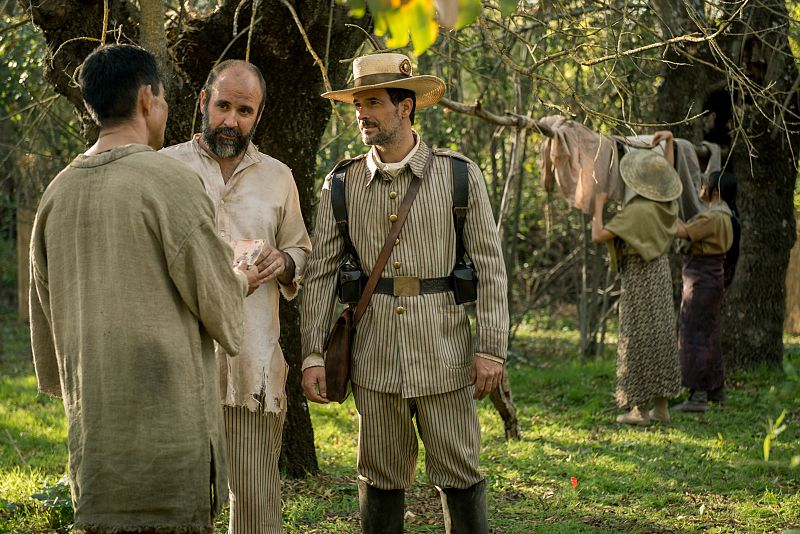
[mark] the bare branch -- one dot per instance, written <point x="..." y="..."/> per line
<point x="310" y="48"/>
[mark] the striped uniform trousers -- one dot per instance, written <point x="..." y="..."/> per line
<point x="387" y="442"/>
<point x="254" y="446"/>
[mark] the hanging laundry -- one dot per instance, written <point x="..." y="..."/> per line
<point x="581" y="162"/>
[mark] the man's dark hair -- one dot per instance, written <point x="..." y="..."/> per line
<point x="219" y="68"/>
<point x="398" y="95"/>
<point x="110" y="79"/>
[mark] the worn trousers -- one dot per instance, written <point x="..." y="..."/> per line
<point x="387" y="441"/>
<point x="254" y="446"/>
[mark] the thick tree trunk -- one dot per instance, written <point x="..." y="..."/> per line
<point x="290" y="130"/>
<point x="754" y="305"/>
<point x="754" y="310"/>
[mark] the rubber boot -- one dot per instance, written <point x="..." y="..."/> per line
<point x="697" y="402"/>
<point x="465" y="509"/>
<point x="382" y="511"/>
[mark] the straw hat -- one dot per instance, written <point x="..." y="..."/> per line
<point x="650" y="175"/>
<point x="386" y="71"/>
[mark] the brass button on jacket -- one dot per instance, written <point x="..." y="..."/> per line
<point x="397" y="265"/>
<point x="393" y="217"/>
<point x="393" y="195"/>
<point x="400" y="310"/>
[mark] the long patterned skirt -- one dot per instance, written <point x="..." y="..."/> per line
<point x="699" y="340"/>
<point x="647" y="350"/>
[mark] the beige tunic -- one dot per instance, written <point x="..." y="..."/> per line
<point x="129" y="286"/>
<point x="260" y="201"/>
<point x="413" y="345"/>
<point x="644" y="227"/>
<point x="710" y="232"/>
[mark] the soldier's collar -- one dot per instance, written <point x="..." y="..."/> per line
<point x="377" y="168"/>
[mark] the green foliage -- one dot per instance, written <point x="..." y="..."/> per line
<point x="38" y="131"/>
<point x="38" y="135"/>
<point x="415" y="20"/>
<point x="783" y="396"/>
<point x="508" y="7"/>
<point x="56" y="500"/>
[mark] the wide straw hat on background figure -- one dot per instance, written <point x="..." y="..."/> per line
<point x="650" y="175"/>
<point x="386" y="71"/>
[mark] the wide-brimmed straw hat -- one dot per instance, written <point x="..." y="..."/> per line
<point x="650" y="175"/>
<point x="386" y="71"/>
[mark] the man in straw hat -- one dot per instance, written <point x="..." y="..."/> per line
<point x="413" y="354"/>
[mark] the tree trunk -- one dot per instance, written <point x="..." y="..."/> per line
<point x="754" y="304"/>
<point x="290" y="130"/>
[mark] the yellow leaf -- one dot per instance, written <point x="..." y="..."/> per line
<point x="424" y="29"/>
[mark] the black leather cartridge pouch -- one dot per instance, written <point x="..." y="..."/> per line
<point x="349" y="283"/>
<point x="465" y="283"/>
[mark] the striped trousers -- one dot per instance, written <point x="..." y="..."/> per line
<point x="254" y="446"/>
<point x="387" y="442"/>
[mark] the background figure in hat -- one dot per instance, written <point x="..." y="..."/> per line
<point x="710" y="236"/>
<point x="129" y="284"/>
<point x="639" y="237"/>
<point x="255" y="198"/>
<point x="413" y="355"/>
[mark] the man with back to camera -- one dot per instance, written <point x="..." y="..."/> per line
<point x="255" y="197"/>
<point x="412" y="353"/>
<point x="130" y="286"/>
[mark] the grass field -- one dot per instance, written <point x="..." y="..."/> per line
<point x="701" y="473"/>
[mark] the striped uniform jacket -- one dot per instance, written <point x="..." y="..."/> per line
<point x="412" y="345"/>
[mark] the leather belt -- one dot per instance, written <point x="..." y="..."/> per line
<point x="411" y="286"/>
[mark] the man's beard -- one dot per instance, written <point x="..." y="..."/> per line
<point x="225" y="148"/>
<point x="385" y="136"/>
<point x="380" y="138"/>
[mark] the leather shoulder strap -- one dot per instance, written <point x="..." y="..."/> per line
<point x="339" y="205"/>
<point x="460" y="203"/>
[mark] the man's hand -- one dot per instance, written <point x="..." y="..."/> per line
<point x="254" y="279"/>
<point x="273" y="263"/>
<point x="314" y="385"/>
<point x="485" y="374"/>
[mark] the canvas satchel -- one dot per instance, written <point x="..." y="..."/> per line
<point x="338" y="347"/>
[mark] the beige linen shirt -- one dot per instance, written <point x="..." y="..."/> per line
<point x="413" y="345"/>
<point x="260" y="201"/>
<point x="129" y="284"/>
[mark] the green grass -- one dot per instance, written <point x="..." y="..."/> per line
<point x="701" y="473"/>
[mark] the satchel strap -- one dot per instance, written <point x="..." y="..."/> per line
<point x="394" y="232"/>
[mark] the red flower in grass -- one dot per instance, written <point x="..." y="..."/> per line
<point x="574" y="482"/>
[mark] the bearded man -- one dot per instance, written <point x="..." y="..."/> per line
<point x="255" y="199"/>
